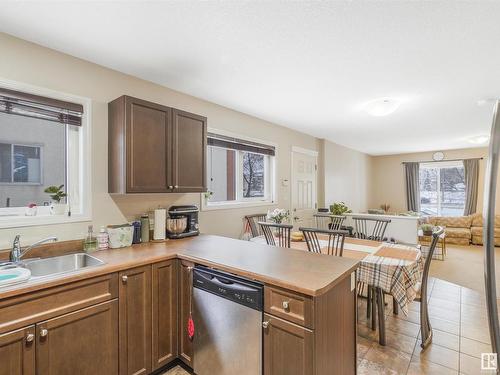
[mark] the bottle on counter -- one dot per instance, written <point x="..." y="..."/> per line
<point x="137" y="232"/>
<point x="102" y="239"/>
<point x="90" y="241"/>
<point x="144" y="228"/>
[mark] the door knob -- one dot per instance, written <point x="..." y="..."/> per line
<point x="30" y="337"/>
<point x="124" y="279"/>
<point x="265" y="324"/>
<point x="44" y="332"/>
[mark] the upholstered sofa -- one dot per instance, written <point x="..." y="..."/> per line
<point x="477" y="229"/>
<point x="457" y="229"/>
<point x="463" y="230"/>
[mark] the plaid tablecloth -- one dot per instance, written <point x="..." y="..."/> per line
<point x="399" y="277"/>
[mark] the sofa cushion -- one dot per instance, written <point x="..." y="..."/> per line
<point x="458" y="233"/>
<point x="432" y="220"/>
<point x="477" y="220"/>
<point x="478" y="231"/>
<point x="455" y="222"/>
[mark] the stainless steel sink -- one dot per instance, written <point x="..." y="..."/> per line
<point x="48" y="267"/>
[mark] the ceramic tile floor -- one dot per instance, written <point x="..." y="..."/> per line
<point x="459" y="321"/>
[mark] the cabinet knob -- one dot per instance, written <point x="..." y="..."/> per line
<point x="124" y="279"/>
<point x="265" y="324"/>
<point x="170" y="187"/>
<point x="176" y="187"/>
<point x="286" y="305"/>
<point x="30" y="337"/>
<point x="43" y="332"/>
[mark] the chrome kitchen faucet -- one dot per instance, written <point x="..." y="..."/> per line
<point x="17" y="252"/>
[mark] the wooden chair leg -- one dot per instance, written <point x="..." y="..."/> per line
<point x="395" y="307"/>
<point x="381" y="316"/>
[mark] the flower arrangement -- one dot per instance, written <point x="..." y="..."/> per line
<point x="278" y="215"/>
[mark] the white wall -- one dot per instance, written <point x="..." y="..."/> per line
<point x="347" y="176"/>
<point x="39" y="66"/>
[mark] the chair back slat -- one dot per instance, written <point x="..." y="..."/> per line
<point x="276" y="234"/>
<point x="326" y="221"/>
<point x="361" y="227"/>
<point x="253" y="221"/>
<point x="335" y="240"/>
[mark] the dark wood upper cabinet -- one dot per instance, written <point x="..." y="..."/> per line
<point x="154" y="149"/>
<point x="81" y="342"/>
<point x="164" y="313"/>
<point x="17" y="352"/>
<point x="135" y="321"/>
<point x="189" y="159"/>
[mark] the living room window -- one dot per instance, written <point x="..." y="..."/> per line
<point x="239" y="172"/>
<point x="442" y="188"/>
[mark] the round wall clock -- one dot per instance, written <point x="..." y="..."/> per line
<point x="437" y="156"/>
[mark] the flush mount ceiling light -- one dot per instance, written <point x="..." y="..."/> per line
<point x="480" y="139"/>
<point x="382" y="106"/>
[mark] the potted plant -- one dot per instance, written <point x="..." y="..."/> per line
<point x="56" y="194"/>
<point x="427" y="229"/>
<point x="339" y="208"/>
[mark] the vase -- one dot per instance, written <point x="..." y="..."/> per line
<point x="58" y="208"/>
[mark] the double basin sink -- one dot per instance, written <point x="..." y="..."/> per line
<point x="54" y="266"/>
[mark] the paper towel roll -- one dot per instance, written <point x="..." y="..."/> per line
<point x="160" y="224"/>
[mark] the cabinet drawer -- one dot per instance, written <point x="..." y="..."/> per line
<point x="17" y="312"/>
<point x="290" y="306"/>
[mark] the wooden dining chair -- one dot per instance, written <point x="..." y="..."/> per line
<point x="335" y="244"/>
<point x="376" y="299"/>
<point x="368" y="228"/>
<point x="276" y="234"/>
<point x="253" y="221"/>
<point x="327" y="221"/>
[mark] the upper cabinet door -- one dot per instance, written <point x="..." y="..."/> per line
<point x="148" y="130"/>
<point x="17" y="352"/>
<point x="189" y="152"/>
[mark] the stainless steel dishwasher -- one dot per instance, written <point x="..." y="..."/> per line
<point x="227" y="314"/>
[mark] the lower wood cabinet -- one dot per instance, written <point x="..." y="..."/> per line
<point x="185" y="296"/>
<point x="164" y="313"/>
<point x="135" y="321"/>
<point x="82" y="342"/>
<point x="17" y="352"/>
<point x="288" y="348"/>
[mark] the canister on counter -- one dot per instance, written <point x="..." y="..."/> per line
<point x="144" y="228"/>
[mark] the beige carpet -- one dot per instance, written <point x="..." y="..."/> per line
<point x="464" y="265"/>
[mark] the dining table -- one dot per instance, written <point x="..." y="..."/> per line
<point x="390" y="268"/>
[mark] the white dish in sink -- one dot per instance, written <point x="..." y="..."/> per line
<point x="11" y="276"/>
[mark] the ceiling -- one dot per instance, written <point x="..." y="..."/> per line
<point x="309" y="66"/>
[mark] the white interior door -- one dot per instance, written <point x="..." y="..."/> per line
<point x="304" y="186"/>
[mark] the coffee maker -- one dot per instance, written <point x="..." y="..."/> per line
<point x="190" y="212"/>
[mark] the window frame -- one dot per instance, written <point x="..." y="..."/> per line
<point x="84" y="162"/>
<point x="12" y="145"/>
<point x="439" y="165"/>
<point x="270" y="170"/>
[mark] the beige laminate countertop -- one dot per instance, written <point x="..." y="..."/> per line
<point x="300" y="271"/>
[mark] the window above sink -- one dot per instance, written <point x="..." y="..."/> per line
<point x="44" y="141"/>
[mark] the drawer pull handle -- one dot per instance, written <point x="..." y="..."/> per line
<point x="44" y="332"/>
<point x="286" y="305"/>
<point x="265" y="325"/>
<point x="124" y="279"/>
<point x="30" y="337"/>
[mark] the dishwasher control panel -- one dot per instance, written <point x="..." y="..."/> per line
<point x="245" y="292"/>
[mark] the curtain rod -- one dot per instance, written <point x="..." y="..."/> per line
<point x="439" y="161"/>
